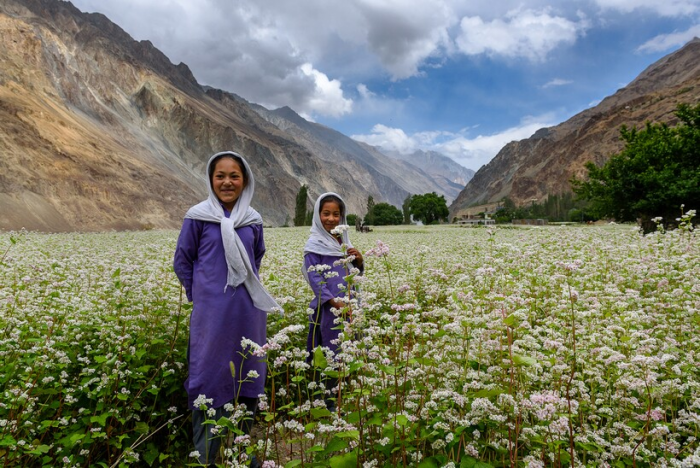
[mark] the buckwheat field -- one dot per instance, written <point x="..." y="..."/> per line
<point x="466" y="347"/>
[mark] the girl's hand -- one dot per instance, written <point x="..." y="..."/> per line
<point x="358" y="256"/>
<point x="338" y="304"/>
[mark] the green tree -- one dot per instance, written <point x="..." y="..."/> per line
<point x="406" y="208"/>
<point x="300" y="206"/>
<point x="385" y="214"/>
<point x="369" y="219"/>
<point x="429" y="207"/>
<point x="352" y="219"/>
<point x="655" y="173"/>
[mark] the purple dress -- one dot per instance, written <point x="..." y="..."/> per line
<point x="219" y="319"/>
<point x="322" y="330"/>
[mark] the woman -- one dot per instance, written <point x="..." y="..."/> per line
<point x="217" y="258"/>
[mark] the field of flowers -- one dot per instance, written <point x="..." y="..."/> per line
<point x="551" y="346"/>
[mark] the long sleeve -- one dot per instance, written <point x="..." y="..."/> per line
<point x="318" y="284"/>
<point x="259" y="246"/>
<point x="186" y="254"/>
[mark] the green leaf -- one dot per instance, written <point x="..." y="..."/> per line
<point x="519" y="360"/>
<point x="511" y="321"/>
<point x="101" y="419"/>
<point x="349" y="435"/>
<point x="346" y="460"/>
<point x="430" y="462"/>
<point x="141" y="428"/>
<point x="470" y="462"/>
<point x="151" y="455"/>
<point x="317" y="413"/>
<point x="336" y="444"/>
<point x="489" y="393"/>
<point x="292" y="464"/>
<point x="7" y="441"/>
<point x="320" y="360"/>
<point x="401" y="420"/>
<point x="41" y="449"/>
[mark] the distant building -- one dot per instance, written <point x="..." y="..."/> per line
<point x="530" y="222"/>
<point x="471" y="220"/>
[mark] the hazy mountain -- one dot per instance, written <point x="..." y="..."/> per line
<point x="377" y="172"/>
<point x="440" y="167"/>
<point x="544" y="163"/>
<point x="99" y="131"/>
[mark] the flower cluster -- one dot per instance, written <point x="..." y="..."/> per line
<point x="516" y="347"/>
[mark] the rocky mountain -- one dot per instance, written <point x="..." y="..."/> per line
<point x="369" y="166"/>
<point x="99" y="131"/>
<point x="544" y="163"/>
<point x="440" y="167"/>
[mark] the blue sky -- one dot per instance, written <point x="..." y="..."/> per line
<point x="459" y="77"/>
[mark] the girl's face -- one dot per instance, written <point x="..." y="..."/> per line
<point x="330" y="215"/>
<point x="227" y="181"/>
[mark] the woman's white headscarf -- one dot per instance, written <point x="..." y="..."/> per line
<point x="240" y="270"/>
<point x="321" y="241"/>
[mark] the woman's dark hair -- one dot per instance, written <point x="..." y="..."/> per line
<point x="233" y="156"/>
<point x="332" y="198"/>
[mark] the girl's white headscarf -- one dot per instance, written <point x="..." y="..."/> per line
<point x="321" y="241"/>
<point x="240" y="270"/>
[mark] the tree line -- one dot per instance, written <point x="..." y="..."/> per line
<point x="428" y="208"/>
<point x="655" y="176"/>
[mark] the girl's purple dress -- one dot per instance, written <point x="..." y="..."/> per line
<point x="322" y="331"/>
<point x="220" y="320"/>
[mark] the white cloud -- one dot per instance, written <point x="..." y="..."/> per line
<point x="556" y="82"/>
<point x="470" y="152"/>
<point x="404" y="33"/>
<point x="661" y="7"/>
<point x="390" y="139"/>
<point x="521" y="33"/>
<point x="328" y="97"/>
<point x="665" y="42"/>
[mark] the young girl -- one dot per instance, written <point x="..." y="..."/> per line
<point x="324" y="247"/>
<point x="217" y="258"/>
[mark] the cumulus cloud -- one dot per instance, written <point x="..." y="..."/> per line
<point x="471" y="152"/>
<point x="663" y="7"/>
<point x="556" y="82"/>
<point x="665" y="42"/>
<point x="390" y="139"/>
<point x="328" y="96"/>
<point x="404" y="33"/>
<point x="521" y="33"/>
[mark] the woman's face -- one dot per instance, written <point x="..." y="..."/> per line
<point x="330" y="215"/>
<point x="227" y="181"/>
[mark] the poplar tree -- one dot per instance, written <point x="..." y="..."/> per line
<point x="300" y="207"/>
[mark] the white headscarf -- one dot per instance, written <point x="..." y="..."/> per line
<point x="240" y="270"/>
<point x="321" y="241"/>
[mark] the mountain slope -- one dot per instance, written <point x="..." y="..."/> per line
<point x="99" y="131"/>
<point x="544" y="163"/>
<point x="376" y="172"/>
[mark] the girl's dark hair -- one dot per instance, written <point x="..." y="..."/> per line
<point x="235" y="158"/>
<point x="332" y="198"/>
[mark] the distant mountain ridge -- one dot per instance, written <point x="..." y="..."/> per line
<point x="438" y="165"/>
<point x="543" y="164"/>
<point x="99" y="131"/>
